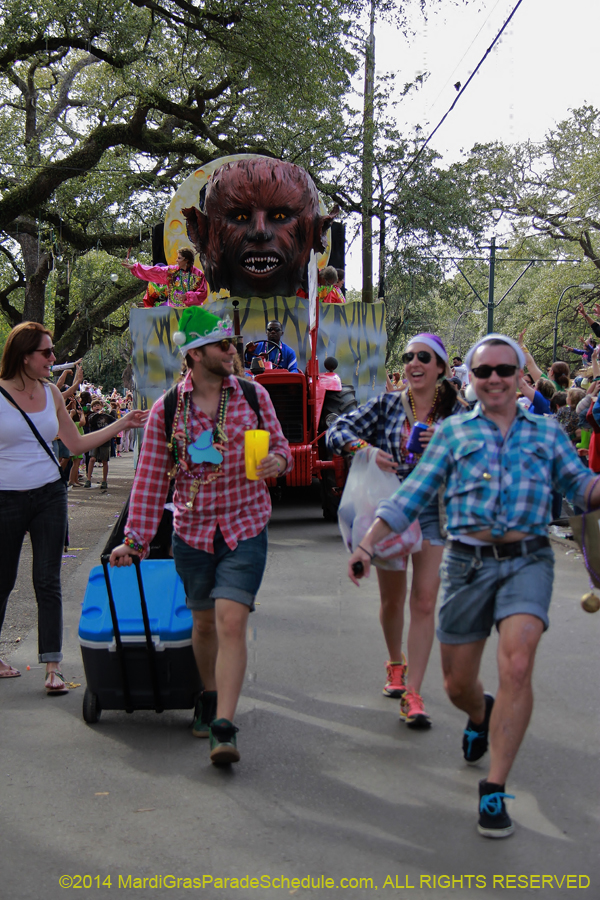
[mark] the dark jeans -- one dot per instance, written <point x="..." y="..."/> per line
<point x="43" y="513"/>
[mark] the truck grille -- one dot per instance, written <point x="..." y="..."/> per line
<point x="287" y="400"/>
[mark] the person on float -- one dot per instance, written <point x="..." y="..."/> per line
<point x="186" y="284"/>
<point x="329" y="292"/>
<point x="220" y="516"/>
<point x="385" y="422"/>
<point x="33" y="495"/>
<point x="499" y="464"/>
<point x="281" y="356"/>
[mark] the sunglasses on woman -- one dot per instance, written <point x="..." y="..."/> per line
<point x="503" y="370"/>
<point x="422" y="355"/>
<point x="45" y="351"/>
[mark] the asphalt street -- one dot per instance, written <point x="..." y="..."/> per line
<point x="330" y="784"/>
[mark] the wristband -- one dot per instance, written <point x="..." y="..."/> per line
<point x="133" y="545"/>
<point x="355" y="446"/>
<point x="370" y="555"/>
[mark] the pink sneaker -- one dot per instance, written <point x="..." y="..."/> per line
<point x="395" y="685"/>
<point x="412" y="711"/>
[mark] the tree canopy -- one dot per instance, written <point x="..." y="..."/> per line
<point x="105" y="108"/>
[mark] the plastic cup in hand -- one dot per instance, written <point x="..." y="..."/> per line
<point x="256" y="448"/>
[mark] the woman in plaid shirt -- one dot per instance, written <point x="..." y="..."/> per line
<point x="385" y="422"/>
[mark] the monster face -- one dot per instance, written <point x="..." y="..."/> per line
<point x="260" y="220"/>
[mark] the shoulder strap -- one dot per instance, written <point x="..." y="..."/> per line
<point x="33" y="428"/>
<point x="170" y="405"/>
<point x="407" y="409"/>
<point x="251" y="396"/>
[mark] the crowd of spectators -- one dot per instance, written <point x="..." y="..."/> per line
<point x="91" y="410"/>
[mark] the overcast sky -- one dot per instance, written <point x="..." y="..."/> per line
<point x="545" y="64"/>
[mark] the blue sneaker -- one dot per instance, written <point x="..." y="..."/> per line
<point x="494" y="821"/>
<point x="223" y="742"/>
<point x="475" y="737"/>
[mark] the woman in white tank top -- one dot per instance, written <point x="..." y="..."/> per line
<point x="33" y="496"/>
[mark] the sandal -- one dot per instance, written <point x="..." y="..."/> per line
<point x="52" y="687"/>
<point x="9" y="672"/>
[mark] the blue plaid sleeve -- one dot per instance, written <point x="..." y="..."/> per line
<point x="361" y="423"/>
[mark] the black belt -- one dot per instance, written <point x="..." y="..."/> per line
<point x="501" y="551"/>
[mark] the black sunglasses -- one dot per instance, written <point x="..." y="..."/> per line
<point x="423" y="356"/>
<point x="46" y="351"/>
<point x="503" y="370"/>
<point x="225" y="343"/>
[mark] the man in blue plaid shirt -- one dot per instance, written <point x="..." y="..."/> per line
<point x="499" y="464"/>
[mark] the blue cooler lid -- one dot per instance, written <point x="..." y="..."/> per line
<point x="170" y="619"/>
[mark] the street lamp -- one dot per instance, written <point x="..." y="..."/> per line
<point x="583" y="287"/>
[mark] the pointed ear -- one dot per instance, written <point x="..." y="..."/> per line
<point x="197" y="228"/>
<point x="324" y="224"/>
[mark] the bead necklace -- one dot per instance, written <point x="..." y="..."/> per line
<point x="179" y="285"/>
<point x="181" y="465"/>
<point x="431" y="414"/>
<point x="411" y="458"/>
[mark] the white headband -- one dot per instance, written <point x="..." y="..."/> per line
<point x="496" y="337"/>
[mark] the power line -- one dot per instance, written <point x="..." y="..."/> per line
<point x="461" y="92"/>
<point x="448" y="80"/>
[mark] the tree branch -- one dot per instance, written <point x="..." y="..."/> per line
<point x="25" y="49"/>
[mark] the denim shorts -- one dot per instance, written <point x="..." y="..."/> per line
<point x="499" y="588"/>
<point x="226" y="574"/>
<point x="429" y="520"/>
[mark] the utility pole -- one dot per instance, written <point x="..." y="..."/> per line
<point x="382" y="239"/>
<point x="492" y="267"/>
<point x="491" y="261"/>
<point x="367" y="164"/>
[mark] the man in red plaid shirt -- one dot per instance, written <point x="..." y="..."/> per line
<point x="220" y="518"/>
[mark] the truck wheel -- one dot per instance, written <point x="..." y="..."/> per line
<point x="91" y="707"/>
<point x="336" y="403"/>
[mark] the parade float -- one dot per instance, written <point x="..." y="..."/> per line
<point x="260" y="234"/>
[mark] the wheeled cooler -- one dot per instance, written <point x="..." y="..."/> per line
<point x="136" y="643"/>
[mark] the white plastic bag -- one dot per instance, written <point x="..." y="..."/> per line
<point x="366" y="487"/>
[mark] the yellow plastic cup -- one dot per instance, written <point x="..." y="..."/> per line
<point x="256" y="448"/>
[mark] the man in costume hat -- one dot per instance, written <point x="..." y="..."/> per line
<point x="220" y="518"/>
<point x="499" y="464"/>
